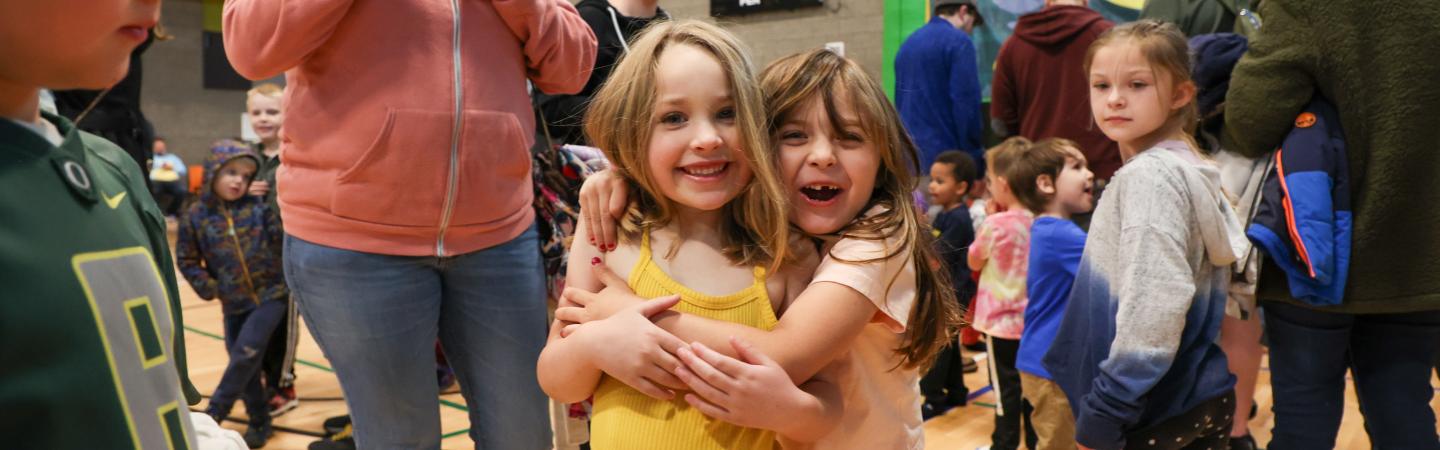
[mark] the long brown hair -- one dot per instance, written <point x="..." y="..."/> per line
<point x="1164" y="47"/>
<point x="792" y="83"/>
<point x="755" y="229"/>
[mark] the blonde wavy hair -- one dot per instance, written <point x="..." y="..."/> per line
<point x="755" y="230"/>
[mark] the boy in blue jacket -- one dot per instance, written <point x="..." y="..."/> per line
<point x="229" y="248"/>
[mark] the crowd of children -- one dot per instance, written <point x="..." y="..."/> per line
<point x="1112" y="350"/>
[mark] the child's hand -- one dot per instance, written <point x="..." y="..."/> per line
<point x="603" y="199"/>
<point x="992" y="207"/>
<point x="616" y="296"/>
<point x="751" y="392"/>
<point x="259" y="188"/>
<point x="633" y="350"/>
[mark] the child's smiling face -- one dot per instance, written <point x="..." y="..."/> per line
<point x="829" y="169"/>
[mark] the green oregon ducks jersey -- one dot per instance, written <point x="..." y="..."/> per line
<point x="90" y="337"/>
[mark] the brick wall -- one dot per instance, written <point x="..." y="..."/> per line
<point x="771" y="35"/>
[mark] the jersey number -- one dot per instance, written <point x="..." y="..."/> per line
<point x="127" y="297"/>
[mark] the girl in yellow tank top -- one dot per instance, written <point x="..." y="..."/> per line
<point x="682" y="123"/>
<point x="624" y="417"/>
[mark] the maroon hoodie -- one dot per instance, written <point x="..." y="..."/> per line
<point x="1040" y="89"/>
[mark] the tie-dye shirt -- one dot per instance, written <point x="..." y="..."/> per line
<point x="1137" y="345"/>
<point x="1004" y="241"/>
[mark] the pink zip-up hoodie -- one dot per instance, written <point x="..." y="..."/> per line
<point x="408" y="124"/>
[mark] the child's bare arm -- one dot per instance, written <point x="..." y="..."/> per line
<point x="754" y="391"/>
<point x="816" y="326"/>
<point x="979" y="253"/>
<point x="569" y="368"/>
<point x="819" y="325"/>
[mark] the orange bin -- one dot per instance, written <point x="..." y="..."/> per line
<point x="197" y="177"/>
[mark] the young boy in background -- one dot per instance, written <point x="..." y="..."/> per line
<point x="262" y="106"/>
<point x="229" y="248"/>
<point x="951" y="177"/>
<point x="1052" y="180"/>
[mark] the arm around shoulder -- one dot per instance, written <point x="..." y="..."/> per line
<point x="564" y="369"/>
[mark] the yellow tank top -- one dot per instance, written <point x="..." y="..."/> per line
<point x="624" y="418"/>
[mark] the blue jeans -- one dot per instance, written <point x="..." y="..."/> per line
<point x="246" y="337"/>
<point x="376" y="318"/>
<point x="1390" y="357"/>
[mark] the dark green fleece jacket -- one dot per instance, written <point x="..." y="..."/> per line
<point x="1379" y="63"/>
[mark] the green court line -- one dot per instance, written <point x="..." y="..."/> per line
<point x="321" y="367"/>
<point x="453" y="434"/>
<point x="987" y="405"/>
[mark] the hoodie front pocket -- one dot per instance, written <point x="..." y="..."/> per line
<point x="494" y="179"/>
<point x="400" y="179"/>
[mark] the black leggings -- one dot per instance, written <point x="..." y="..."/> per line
<point x="1012" y="413"/>
<point x="1203" y="427"/>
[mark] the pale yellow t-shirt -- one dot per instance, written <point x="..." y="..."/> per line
<point x="882" y="406"/>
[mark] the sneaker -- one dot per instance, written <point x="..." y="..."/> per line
<point x="445" y="375"/>
<point x="343" y="440"/>
<point x="976" y="347"/>
<point x="930" y="410"/>
<point x="216" y="412"/>
<point x="335" y="425"/>
<point x="283" y="401"/>
<point x="256" y="435"/>
<point x="970" y="366"/>
<point x="1246" y="442"/>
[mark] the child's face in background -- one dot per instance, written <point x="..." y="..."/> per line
<point x="69" y="44"/>
<point x="829" y="176"/>
<point x="948" y="191"/>
<point x="1074" y="187"/>
<point x="232" y="180"/>
<point x="1126" y="98"/>
<point x="266" y="117"/>
<point x="691" y="155"/>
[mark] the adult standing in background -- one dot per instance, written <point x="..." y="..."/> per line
<point x="407" y="197"/>
<point x="1040" y="87"/>
<point x="614" y="22"/>
<point x="1376" y="63"/>
<point x="937" y="86"/>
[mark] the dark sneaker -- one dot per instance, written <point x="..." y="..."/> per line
<point x="1246" y="442"/>
<point x="970" y="366"/>
<point x="335" y="425"/>
<point x="343" y="440"/>
<point x="445" y="376"/>
<point x="217" y="412"/>
<point x="256" y="435"/>
<point x="930" y="410"/>
<point x="283" y="401"/>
